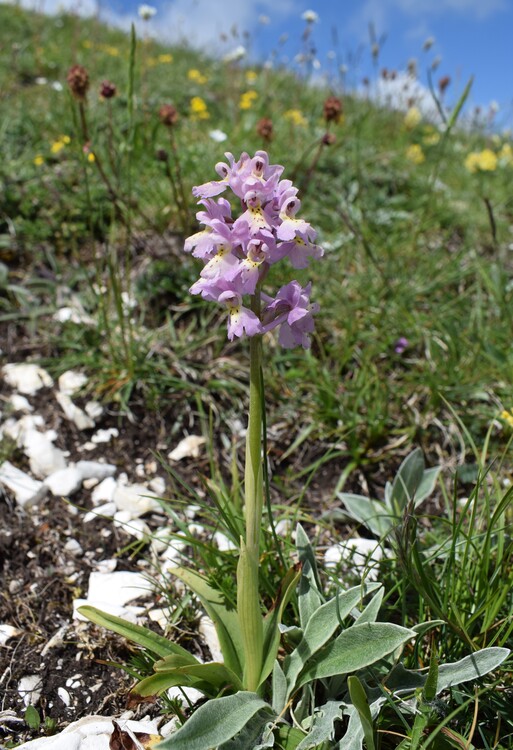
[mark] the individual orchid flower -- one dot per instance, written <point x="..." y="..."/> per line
<point x="292" y="312"/>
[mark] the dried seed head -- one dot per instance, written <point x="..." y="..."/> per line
<point x="107" y="90"/>
<point x="328" y="139"/>
<point x="332" y="109"/>
<point x="443" y="83"/>
<point x="168" y="115"/>
<point x="265" y="129"/>
<point x="162" y="155"/>
<point x="78" y="81"/>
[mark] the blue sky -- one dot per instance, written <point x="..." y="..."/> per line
<point x="472" y="37"/>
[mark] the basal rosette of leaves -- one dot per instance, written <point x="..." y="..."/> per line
<point x="323" y="688"/>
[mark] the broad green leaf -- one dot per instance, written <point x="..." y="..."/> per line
<point x="279" y="688"/>
<point x="354" y="735"/>
<point x="355" y="648"/>
<point x="321" y="626"/>
<point x="310" y="595"/>
<point x="136" y="633"/>
<point x="370" y="513"/>
<point x="287" y="737"/>
<point x="226" y="621"/>
<point x="407" y="480"/>
<point x="470" y="667"/>
<point x="215" y="722"/>
<point x="426" y="485"/>
<point x="361" y="703"/>
<point x="273" y="619"/>
<point x="214" y="673"/>
<point x="323" y="725"/>
<point x="371" y="611"/>
<point x="257" y="734"/>
<point x="158" y="682"/>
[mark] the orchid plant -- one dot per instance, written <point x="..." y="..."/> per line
<point x="327" y="690"/>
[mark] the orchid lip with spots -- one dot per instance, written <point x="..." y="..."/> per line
<point x="237" y="252"/>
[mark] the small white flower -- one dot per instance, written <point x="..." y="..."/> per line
<point x="310" y="16"/>
<point x="57" y="86"/>
<point x="217" y="135"/>
<point x="264" y="20"/>
<point x="236" y="54"/>
<point x="146" y="12"/>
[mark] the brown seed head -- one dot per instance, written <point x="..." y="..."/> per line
<point x="443" y="83"/>
<point x="168" y="115"/>
<point x="265" y="129"/>
<point x="332" y="109"/>
<point x="161" y="155"/>
<point x="328" y="139"/>
<point x="107" y="90"/>
<point x="78" y="81"/>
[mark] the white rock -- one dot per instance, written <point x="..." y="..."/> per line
<point x="158" y="485"/>
<point x="16" y="429"/>
<point x="72" y="412"/>
<point x="136" y="498"/>
<point x="363" y="555"/>
<point x="104" y="436"/>
<point x="64" y="482"/>
<point x="73" y="547"/>
<point x="73" y="315"/>
<point x="44" y="457"/>
<point x="27" y="491"/>
<point x="8" y="631"/>
<point x="107" y="509"/>
<point x="118" y="588"/>
<point x="207" y="629"/>
<point x="19" y="403"/>
<point x="71" y="381"/>
<point x="192" y="695"/>
<point x="95" y="469"/>
<point x="189" y="447"/>
<point x="104" y="492"/>
<point x="161" y="616"/>
<point x="88" y="484"/>
<point x="223" y="543"/>
<point x="94" y="409"/>
<point x="64" y="696"/>
<point x="133" y="526"/>
<point x="29" y="688"/>
<point x="172" y="555"/>
<point x="106" y="566"/>
<point x="26" y="378"/>
<point x="128" y="612"/>
<point x="89" y="733"/>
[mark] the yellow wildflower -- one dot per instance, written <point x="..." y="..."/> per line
<point x="195" y="75"/>
<point x="507" y="416"/>
<point x="247" y="99"/>
<point x="415" y="154"/>
<point x="295" y="116"/>
<point x="151" y="62"/>
<point x="412" y="118"/>
<point x="112" y="51"/>
<point x="199" y="109"/>
<point x="38" y="160"/>
<point x="166" y="58"/>
<point x="251" y="76"/>
<point x="431" y="139"/>
<point x="482" y="161"/>
<point x="91" y="157"/>
<point x="65" y="139"/>
<point x="57" y="146"/>
<point x="87" y="43"/>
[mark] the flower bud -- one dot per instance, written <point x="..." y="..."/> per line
<point x="107" y="90"/>
<point x="265" y="129"/>
<point x="168" y="115"/>
<point x="78" y="81"/>
<point x="332" y="109"/>
<point x="162" y="155"/>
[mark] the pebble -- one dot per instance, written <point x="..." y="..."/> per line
<point x="189" y="447"/>
<point x="44" y="457"/>
<point x="95" y="469"/>
<point x="207" y="629"/>
<point x="29" y="689"/>
<point x="107" y="509"/>
<point x="64" y="695"/>
<point x="90" y="733"/>
<point x="73" y="547"/>
<point x="26" y="378"/>
<point x="64" y="482"/>
<point x="7" y="632"/>
<point x="27" y="491"/>
<point x="363" y="554"/>
<point x="104" y="492"/>
<point x="104" y="436"/>
<point x="19" y="403"/>
<point x="74" y="413"/>
<point x="136" y="498"/>
<point x="71" y="382"/>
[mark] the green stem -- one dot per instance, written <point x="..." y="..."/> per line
<point x="248" y="596"/>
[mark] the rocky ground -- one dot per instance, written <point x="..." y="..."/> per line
<point x="81" y="520"/>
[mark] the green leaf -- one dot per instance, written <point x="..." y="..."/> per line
<point x="407" y="480"/>
<point x="370" y="513"/>
<point x="257" y="734"/>
<point x="470" y="667"/>
<point x="216" y="722"/>
<point x="279" y="688"/>
<point x="32" y="718"/>
<point x="216" y="674"/>
<point x="287" y="737"/>
<point x="355" y="648"/>
<point x="360" y="702"/>
<point x="310" y="595"/>
<point x="427" y="484"/>
<point x="273" y="619"/>
<point x="136" y="633"/>
<point x="371" y="611"/>
<point x="322" y="728"/>
<point x="226" y="621"/>
<point x="321" y="626"/>
<point x="158" y="682"/>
